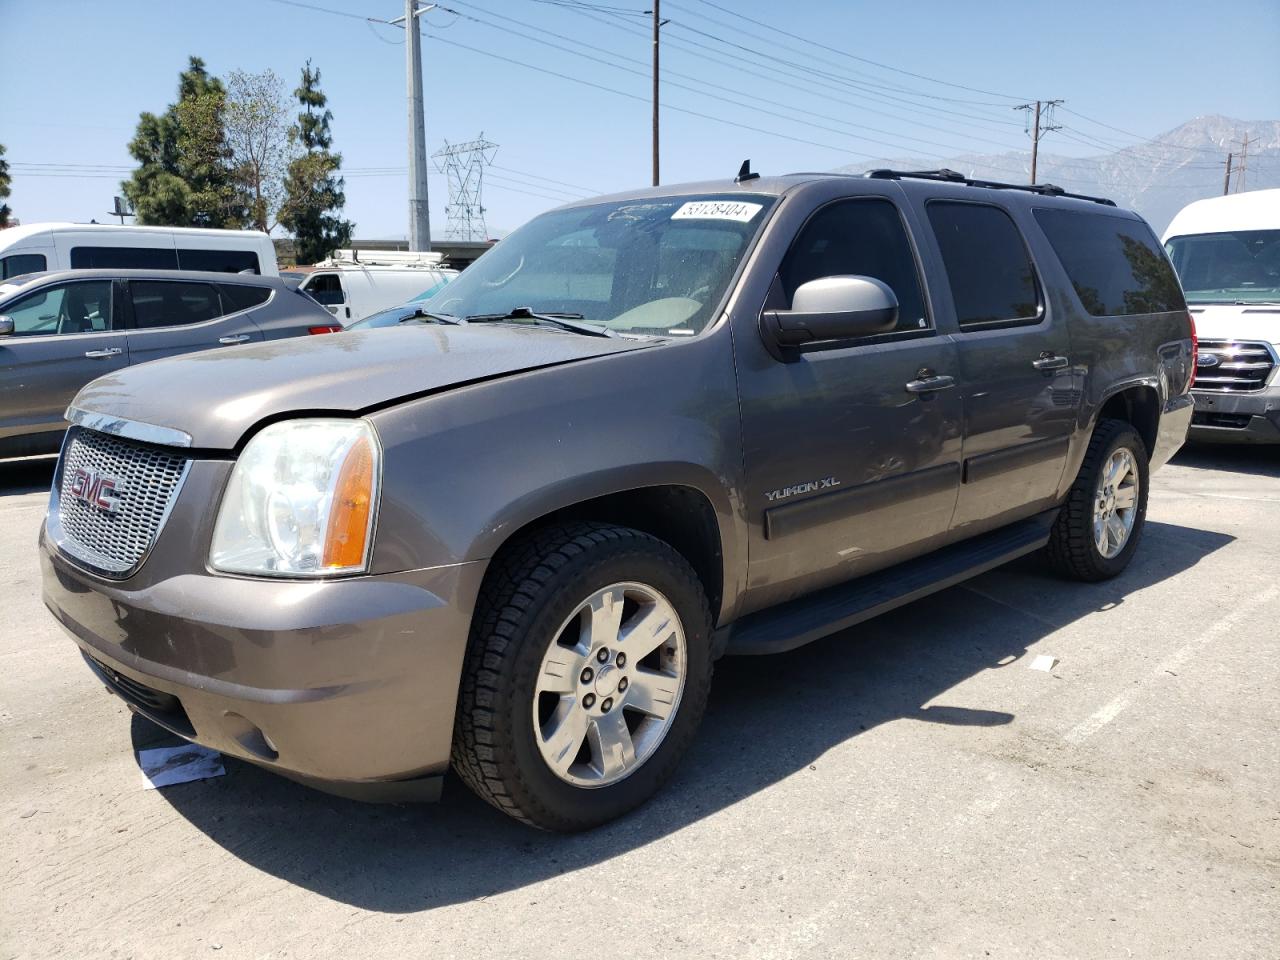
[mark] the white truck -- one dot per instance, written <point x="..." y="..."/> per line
<point x="35" y="247"/>
<point x="354" y="284"/>
<point x="1227" y="254"/>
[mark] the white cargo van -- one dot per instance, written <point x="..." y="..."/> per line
<point x="73" y="246"/>
<point x="354" y="284"/>
<point x="1227" y="254"/>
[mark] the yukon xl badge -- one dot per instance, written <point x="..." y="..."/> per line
<point x="809" y="487"/>
<point x="96" y="489"/>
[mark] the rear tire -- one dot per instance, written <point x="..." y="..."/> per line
<point x="583" y="636"/>
<point x="1101" y="522"/>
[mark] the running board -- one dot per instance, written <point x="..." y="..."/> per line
<point x="820" y="614"/>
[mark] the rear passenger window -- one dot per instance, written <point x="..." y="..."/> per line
<point x="219" y="261"/>
<point x="145" y="258"/>
<point x="864" y="237"/>
<point x="167" y="303"/>
<point x="1114" y="263"/>
<point x="238" y="296"/>
<point x="993" y="282"/>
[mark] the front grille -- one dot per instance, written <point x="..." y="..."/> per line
<point x="1236" y="421"/>
<point x="1242" y="366"/>
<point x="113" y="497"/>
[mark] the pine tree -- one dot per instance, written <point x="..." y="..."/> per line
<point x="184" y="177"/>
<point x="314" y="194"/>
<point x="4" y="189"/>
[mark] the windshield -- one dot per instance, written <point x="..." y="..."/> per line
<point x="1228" y="267"/>
<point x="646" y="267"/>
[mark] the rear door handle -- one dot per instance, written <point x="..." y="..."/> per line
<point x="1049" y="361"/>
<point x="107" y="352"/>
<point x="927" y="382"/>
<point x="234" y="338"/>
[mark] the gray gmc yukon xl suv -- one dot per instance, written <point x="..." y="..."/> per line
<point x="514" y="533"/>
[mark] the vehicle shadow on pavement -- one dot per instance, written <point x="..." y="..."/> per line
<point x="769" y="718"/>
<point x="1261" y="460"/>
<point x="31" y="475"/>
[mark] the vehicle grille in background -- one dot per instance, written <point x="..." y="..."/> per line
<point x="1242" y="366"/>
<point x="1235" y="421"/>
<point x="146" y="480"/>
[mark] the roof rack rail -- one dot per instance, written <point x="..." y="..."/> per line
<point x="951" y="176"/>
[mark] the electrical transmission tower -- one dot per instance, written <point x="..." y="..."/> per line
<point x="1242" y="170"/>
<point x="1039" y="126"/>
<point x="463" y="164"/>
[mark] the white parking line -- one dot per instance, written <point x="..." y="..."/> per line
<point x="1087" y="728"/>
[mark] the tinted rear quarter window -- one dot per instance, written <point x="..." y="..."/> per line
<point x="240" y="296"/>
<point x="992" y="279"/>
<point x="219" y="261"/>
<point x="1115" y="264"/>
<point x="143" y="258"/>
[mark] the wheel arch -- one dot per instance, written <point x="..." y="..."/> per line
<point x="1139" y="404"/>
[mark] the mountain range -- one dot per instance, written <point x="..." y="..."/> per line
<point x="1155" y="177"/>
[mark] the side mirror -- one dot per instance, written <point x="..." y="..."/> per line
<point x="832" y="309"/>
<point x="6" y="326"/>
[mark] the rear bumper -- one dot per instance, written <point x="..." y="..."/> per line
<point x="1236" y="417"/>
<point x="347" y="685"/>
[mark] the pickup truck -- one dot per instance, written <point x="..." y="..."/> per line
<point x="513" y="534"/>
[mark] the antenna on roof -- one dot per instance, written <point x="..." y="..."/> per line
<point x="744" y="173"/>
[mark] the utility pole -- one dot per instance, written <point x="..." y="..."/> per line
<point x="419" y="217"/>
<point x="1038" y="129"/>
<point x="1226" y="183"/>
<point x="1243" y="170"/>
<point x="657" y="26"/>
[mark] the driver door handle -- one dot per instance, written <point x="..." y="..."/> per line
<point x="234" y="338"/>
<point x="1049" y="361"/>
<point x="927" y="382"/>
<point x="107" y="352"/>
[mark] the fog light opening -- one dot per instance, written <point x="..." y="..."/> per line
<point x="251" y="737"/>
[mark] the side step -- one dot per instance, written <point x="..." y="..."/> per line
<point x="820" y="614"/>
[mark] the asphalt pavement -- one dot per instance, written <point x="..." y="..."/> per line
<point x="909" y="788"/>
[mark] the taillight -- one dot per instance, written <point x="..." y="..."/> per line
<point x="327" y="328"/>
<point x="1195" y="349"/>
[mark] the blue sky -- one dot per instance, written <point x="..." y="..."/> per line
<point x="75" y="74"/>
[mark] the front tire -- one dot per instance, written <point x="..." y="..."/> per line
<point x="587" y="674"/>
<point x="1099" y="526"/>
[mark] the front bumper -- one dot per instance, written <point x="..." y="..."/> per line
<point x="348" y="685"/>
<point x="1252" y="417"/>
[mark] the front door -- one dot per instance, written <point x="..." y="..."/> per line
<point x="170" y="317"/>
<point x="1018" y="385"/>
<point x="848" y="470"/>
<point x="326" y="289"/>
<point x="65" y="334"/>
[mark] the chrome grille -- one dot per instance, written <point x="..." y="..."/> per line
<point x="146" y="482"/>
<point x="1242" y="365"/>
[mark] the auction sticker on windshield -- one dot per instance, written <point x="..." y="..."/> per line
<point x="737" y="210"/>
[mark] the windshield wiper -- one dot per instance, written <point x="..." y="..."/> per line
<point x="420" y="314"/>
<point x="565" y="321"/>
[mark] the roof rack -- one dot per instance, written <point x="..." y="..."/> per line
<point x="951" y="176"/>
<point x="383" y="258"/>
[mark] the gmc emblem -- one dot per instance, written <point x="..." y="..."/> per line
<point x="96" y="489"/>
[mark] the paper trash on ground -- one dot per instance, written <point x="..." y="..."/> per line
<point x="165" y="766"/>
<point x="1044" y="662"/>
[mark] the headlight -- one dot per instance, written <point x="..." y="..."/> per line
<point x="301" y="501"/>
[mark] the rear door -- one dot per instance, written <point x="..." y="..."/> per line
<point x="848" y="468"/>
<point x="65" y="334"/>
<point x="170" y="317"/>
<point x="1017" y="382"/>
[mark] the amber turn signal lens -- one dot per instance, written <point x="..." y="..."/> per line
<point x="344" y="543"/>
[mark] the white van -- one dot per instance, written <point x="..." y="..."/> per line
<point x="1227" y="254"/>
<point x="354" y="284"/>
<point x="73" y="246"/>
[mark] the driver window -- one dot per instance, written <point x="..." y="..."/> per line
<point x="862" y="237"/>
<point x="78" y="307"/>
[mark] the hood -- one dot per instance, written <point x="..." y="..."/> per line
<point x="1225" y="321"/>
<point x="216" y="395"/>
